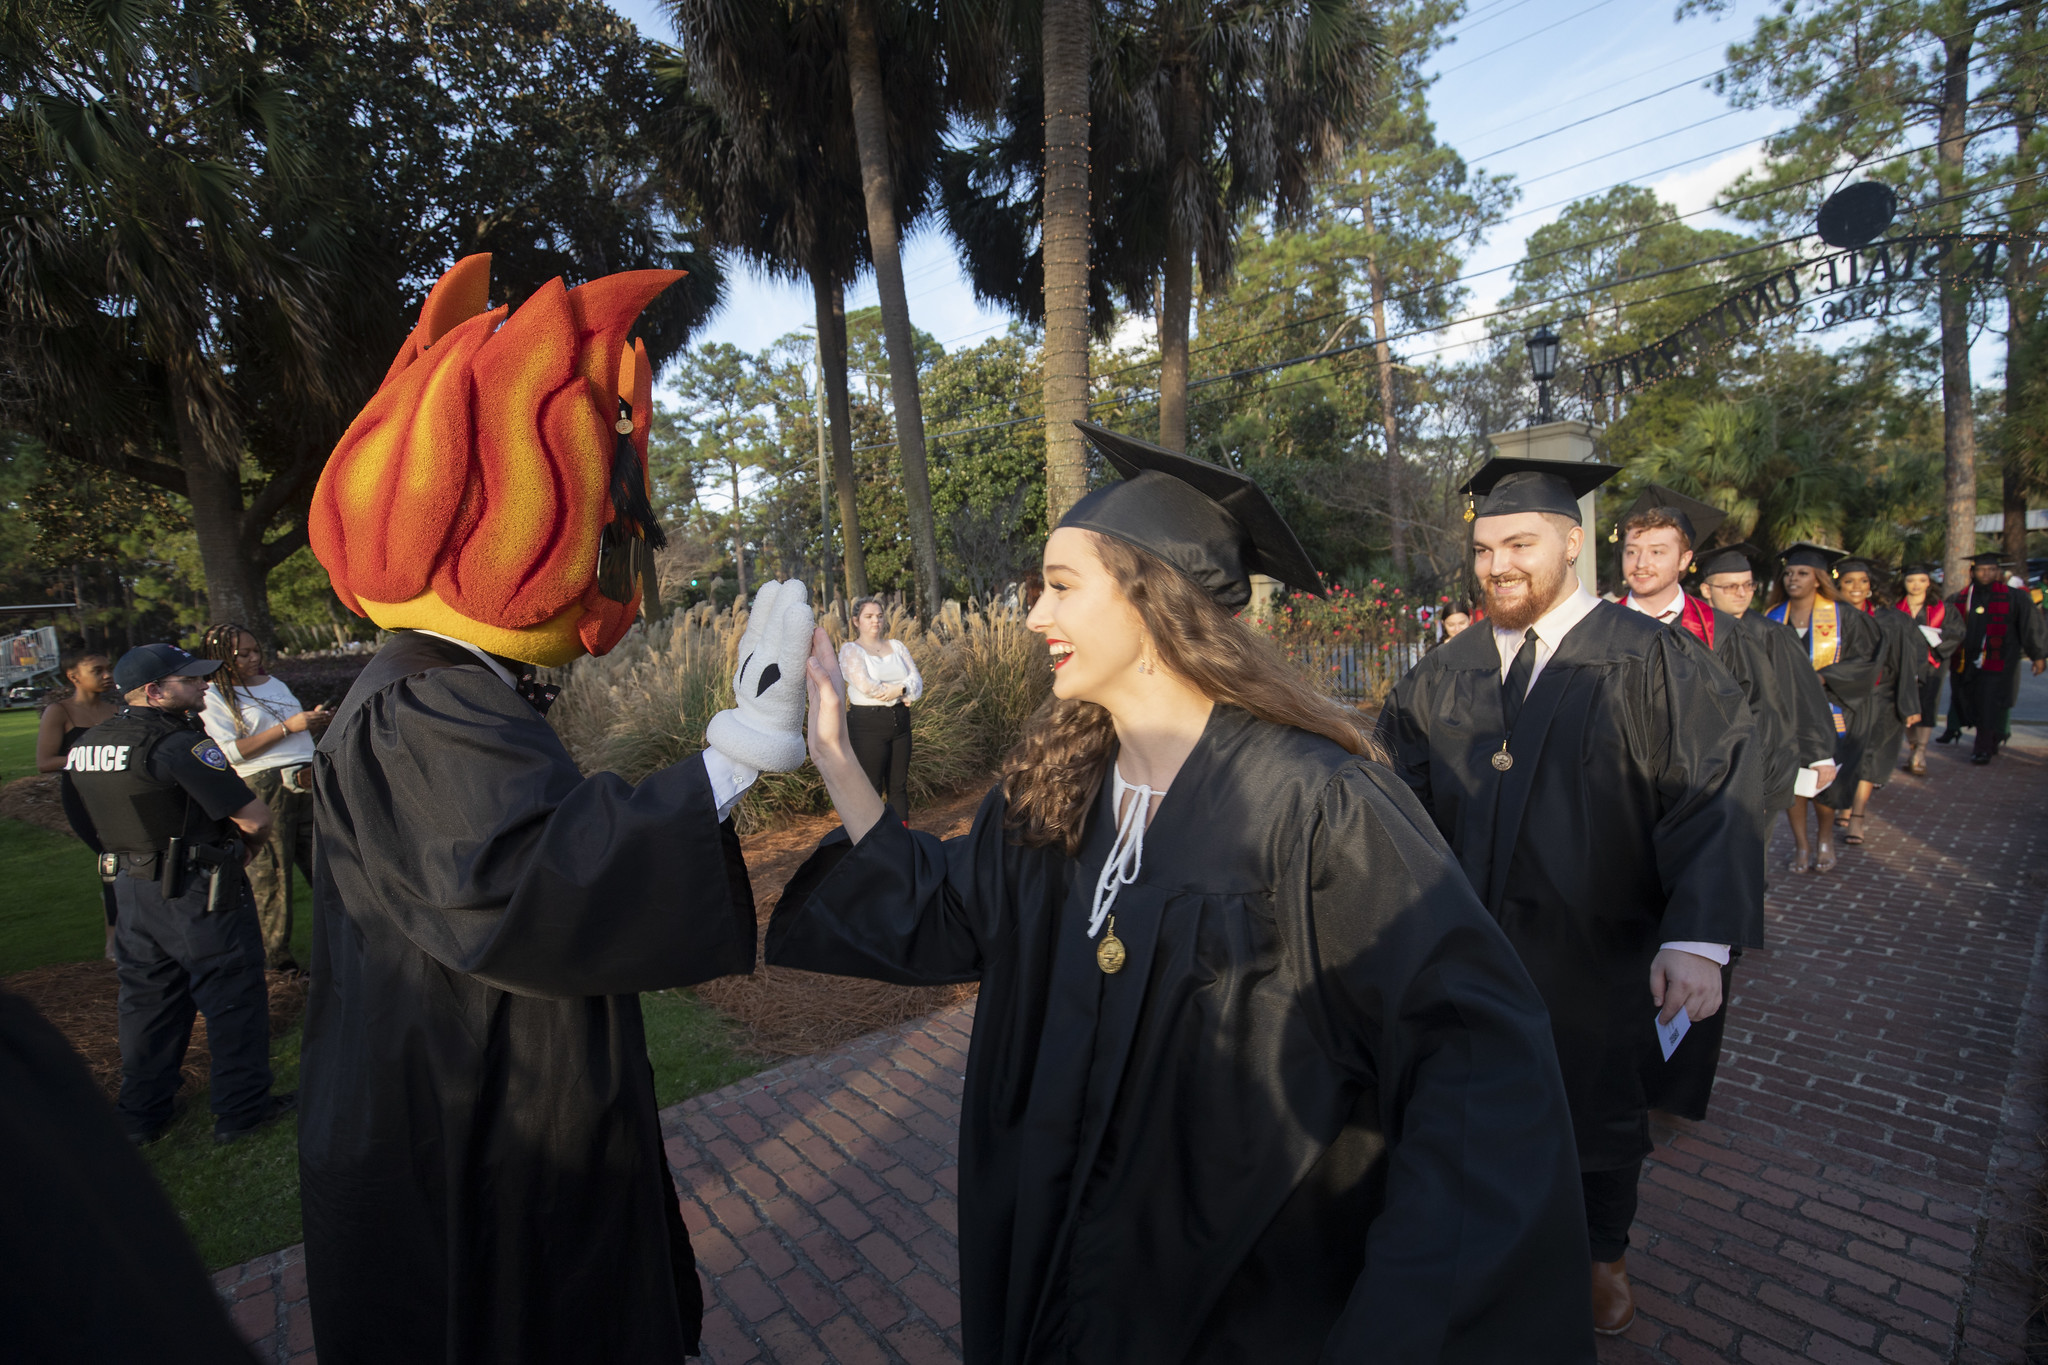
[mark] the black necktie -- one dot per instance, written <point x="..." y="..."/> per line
<point x="1517" y="685"/>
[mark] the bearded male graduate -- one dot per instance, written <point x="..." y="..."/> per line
<point x="1596" y="776"/>
<point x="481" y="1170"/>
<point x="1797" y="726"/>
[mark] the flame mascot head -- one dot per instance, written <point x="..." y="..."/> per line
<point x="494" y="488"/>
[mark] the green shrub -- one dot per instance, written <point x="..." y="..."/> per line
<point x="645" y="705"/>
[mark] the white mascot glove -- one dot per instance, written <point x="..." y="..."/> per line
<point x="765" y="729"/>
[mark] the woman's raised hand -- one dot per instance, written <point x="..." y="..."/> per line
<point x="827" y="688"/>
<point x="858" y="804"/>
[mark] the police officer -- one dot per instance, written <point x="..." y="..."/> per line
<point x="175" y="820"/>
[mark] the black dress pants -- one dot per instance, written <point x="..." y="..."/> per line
<point x="1990" y="702"/>
<point x="881" y="741"/>
<point x="174" y="960"/>
<point x="1610" y="1208"/>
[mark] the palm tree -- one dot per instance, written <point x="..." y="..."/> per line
<point x="1200" y="112"/>
<point x="884" y="63"/>
<point x="149" y="150"/>
<point x="1251" y="101"/>
<point x="1065" y="42"/>
<point x="768" y="164"/>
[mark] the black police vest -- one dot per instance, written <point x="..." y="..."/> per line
<point x="133" y="811"/>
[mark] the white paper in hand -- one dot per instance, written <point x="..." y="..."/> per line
<point x="1669" y="1035"/>
<point x="1806" y="782"/>
<point x="1933" y="636"/>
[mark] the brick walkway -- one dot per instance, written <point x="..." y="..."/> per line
<point x="1851" y="1198"/>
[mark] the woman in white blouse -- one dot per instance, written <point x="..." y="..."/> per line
<point x="268" y="738"/>
<point x="881" y="679"/>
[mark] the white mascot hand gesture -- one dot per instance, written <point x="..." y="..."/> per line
<point x="765" y="728"/>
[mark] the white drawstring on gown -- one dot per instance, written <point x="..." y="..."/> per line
<point x="1127" y="853"/>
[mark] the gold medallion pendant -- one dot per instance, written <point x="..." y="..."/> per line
<point x="1109" y="954"/>
<point x="1503" y="760"/>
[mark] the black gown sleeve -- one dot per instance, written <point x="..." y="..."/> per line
<point x="1903" y="658"/>
<point x="900" y="906"/>
<point x="1480" y="1251"/>
<point x="2032" y="626"/>
<point x="1852" y="678"/>
<point x="475" y="834"/>
<point x="1691" y="729"/>
<point x="1815" y="723"/>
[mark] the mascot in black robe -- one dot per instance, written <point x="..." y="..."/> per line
<point x="481" y="1169"/>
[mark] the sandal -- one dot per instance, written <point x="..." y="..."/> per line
<point x="1825" y="861"/>
<point x="1918" y="767"/>
<point x="1799" y="865"/>
<point x="1855" y="835"/>
<point x="1841" y="821"/>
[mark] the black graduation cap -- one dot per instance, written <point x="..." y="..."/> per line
<point x="1740" y="558"/>
<point x="1992" y="558"/>
<point x="1210" y="522"/>
<point x="1922" y="566"/>
<point x="1505" y="485"/>
<point x="1811" y="555"/>
<point x="1697" y="520"/>
<point x="1858" y="564"/>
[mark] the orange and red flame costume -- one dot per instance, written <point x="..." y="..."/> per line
<point x="473" y="493"/>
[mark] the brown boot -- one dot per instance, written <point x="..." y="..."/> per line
<point x="1614" y="1307"/>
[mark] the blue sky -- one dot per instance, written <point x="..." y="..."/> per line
<point x="1516" y="69"/>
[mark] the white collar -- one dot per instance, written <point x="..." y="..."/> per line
<point x="1554" y="624"/>
<point x="504" y="675"/>
<point x="1675" y="608"/>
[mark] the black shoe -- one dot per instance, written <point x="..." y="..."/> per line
<point x="1948" y="736"/>
<point x="273" y="1109"/>
<point x="1980" y="759"/>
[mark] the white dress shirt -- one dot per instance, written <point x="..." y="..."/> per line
<point x="1665" y="614"/>
<point x="729" y="780"/>
<point x="1551" y="629"/>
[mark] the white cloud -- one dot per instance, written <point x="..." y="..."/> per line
<point x="1692" y="190"/>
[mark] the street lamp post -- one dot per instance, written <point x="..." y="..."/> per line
<point x="1543" y="348"/>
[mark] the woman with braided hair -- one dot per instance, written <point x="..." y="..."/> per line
<point x="268" y="737"/>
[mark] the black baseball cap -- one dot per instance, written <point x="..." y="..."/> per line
<point x="146" y="664"/>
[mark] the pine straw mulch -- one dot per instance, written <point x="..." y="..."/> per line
<point x="34" y="800"/>
<point x="784" y="1012"/>
<point x="791" y="1013"/>
<point x="80" y="999"/>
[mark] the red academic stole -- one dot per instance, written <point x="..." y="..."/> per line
<point x="1997" y="609"/>
<point x="1937" y="612"/>
<point x="1698" y="618"/>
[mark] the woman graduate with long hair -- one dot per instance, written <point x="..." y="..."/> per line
<point x="1254" y="1075"/>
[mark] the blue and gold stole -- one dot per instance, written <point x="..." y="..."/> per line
<point x="1823" y="642"/>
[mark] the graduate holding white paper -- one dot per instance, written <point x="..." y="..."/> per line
<point x="1598" y="778"/>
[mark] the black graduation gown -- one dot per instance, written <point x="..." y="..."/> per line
<point x="1803" y="724"/>
<point x="1316" y="1117"/>
<point x="1934" y="661"/>
<point x="1684" y="1082"/>
<point x="1740" y="656"/>
<point x="1895" y="693"/>
<point x="1631" y="817"/>
<point x="2026" y="637"/>
<point x="95" y="1268"/>
<point x="1851" y="684"/>
<point x="481" y="1169"/>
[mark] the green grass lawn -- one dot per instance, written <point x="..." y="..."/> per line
<point x="243" y="1201"/>
<point x="18" y="742"/>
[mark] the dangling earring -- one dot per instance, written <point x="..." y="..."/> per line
<point x="1144" y="663"/>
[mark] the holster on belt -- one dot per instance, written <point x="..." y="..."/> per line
<point x="220" y="864"/>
